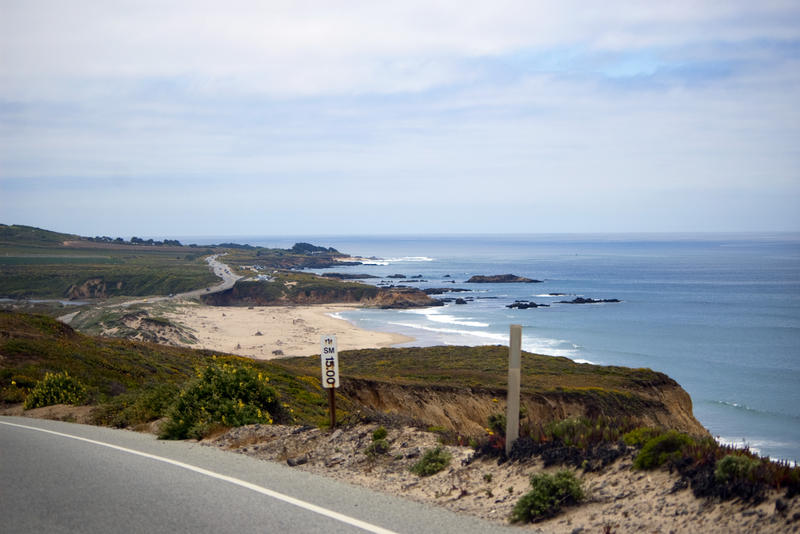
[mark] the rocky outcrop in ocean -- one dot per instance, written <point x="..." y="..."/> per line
<point x="525" y="304"/>
<point x="501" y="279"/>
<point x="582" y="300"/>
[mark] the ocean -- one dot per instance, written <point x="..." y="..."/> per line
<point x="718" y="313"/>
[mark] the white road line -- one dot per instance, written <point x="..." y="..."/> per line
<point x="258" y="489"/>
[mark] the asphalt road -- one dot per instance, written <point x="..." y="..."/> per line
<point x="62" y="477"/>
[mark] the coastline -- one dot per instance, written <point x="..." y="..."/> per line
<point x="267" y="332"/>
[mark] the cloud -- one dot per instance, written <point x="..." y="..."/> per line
<point x="437" y="103"/>
<point x="307" y="48"/>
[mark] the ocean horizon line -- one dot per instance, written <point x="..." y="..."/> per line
<point x="700" y="236"/>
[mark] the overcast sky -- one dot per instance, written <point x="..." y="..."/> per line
<point x="342" y="117"/>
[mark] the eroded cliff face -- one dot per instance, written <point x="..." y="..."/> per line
<point x="401" y="298"/>
<point x="254" y="294"/>
<point x="91" y="288"/>
<point x="466" y="410"/>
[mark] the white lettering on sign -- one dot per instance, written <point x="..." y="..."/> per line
<point x="329" y="359"/>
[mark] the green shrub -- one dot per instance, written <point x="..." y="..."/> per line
<point x="22" y="381"/>
<point x="222" y="395"/>
<point x="548" y="494"/>
<point x="660" y="449"/>
<point x="734" y="467"/>
<point x="433" y="461"/>
<point x="497" y="424"/>
<point x="137" y="407"/>
<point x="581" y="432"/>
<point x="56" y="388"/>
<point x="639" y="436"/>
<point x="571" y="432"/>
<point x="12" y="394"/>
<point x="379" y="433"/>
<point x="378" y="446"/>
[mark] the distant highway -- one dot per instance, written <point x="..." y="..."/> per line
<point x="219" y="269"/>
<point x="61" y="477"/>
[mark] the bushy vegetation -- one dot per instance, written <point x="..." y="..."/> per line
<point x="137" y="407"/>
<point x="432" y="461"/>
<point x="585" y="442"/>
<point x="662" y="448"/>
<point x="710" y="469"/>
<point x="719" y="471"/>
<point x="379" y="433"/>
<point x="116" y="372"/>
<point x="222" y="395"/>
<point x="733" y="467"/>
<point x="497" y="424"/>
<point x="548" y="494"/>
<point x="56" y="388"/>
<point x="582" y="432"/>
<point x="379" y="444"/>
<point x="639" y="436"/>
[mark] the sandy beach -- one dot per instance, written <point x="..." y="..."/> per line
<point x="266" y="332"/>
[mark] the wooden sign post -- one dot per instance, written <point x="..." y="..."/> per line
<point x="514" y="366"/>
<point x="329" y="360"/>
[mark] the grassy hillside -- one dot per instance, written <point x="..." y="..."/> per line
<point x="32" y="345"/>
<point x="28" y="235"/>
<point x="117" y="372"/>
<point x="37" y="263"/>
<point x="483" y="367"/>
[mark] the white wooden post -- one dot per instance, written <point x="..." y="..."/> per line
<point x="514" y="366"/>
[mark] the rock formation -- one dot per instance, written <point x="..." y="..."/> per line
<point x="501" y="279"/>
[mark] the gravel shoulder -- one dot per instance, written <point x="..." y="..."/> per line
<point x="619" y="499"/>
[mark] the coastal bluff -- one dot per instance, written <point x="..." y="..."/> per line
<point x="306" y="291"/>
<point x="458" y="388"/>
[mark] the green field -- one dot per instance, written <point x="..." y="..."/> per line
<point x="36" y="263"/>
